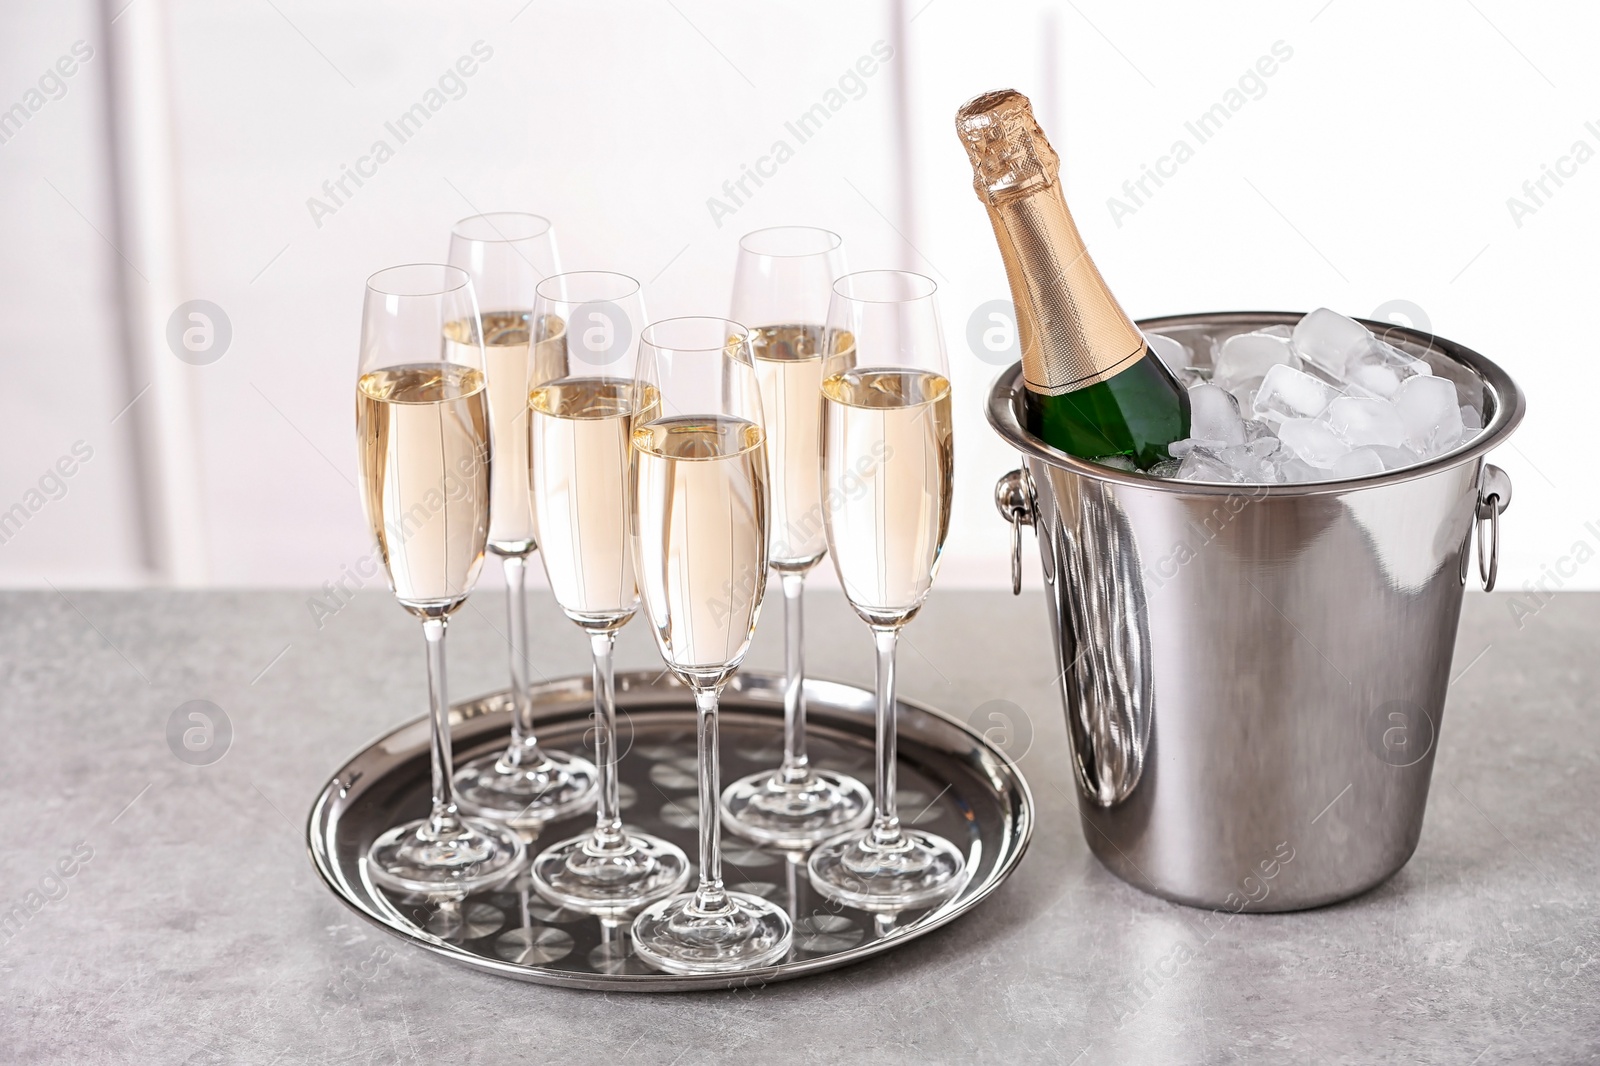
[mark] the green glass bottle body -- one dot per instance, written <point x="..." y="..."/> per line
<point x="1135" y="414"/>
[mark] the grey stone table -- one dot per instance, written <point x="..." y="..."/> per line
<point x="192" y="928"/>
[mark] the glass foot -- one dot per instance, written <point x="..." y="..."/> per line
<point x="769" y="810"/>
<point x="474" y="855"/>
<point x="539" y="787"/>
<point x="857" y="870"/>
<point x="678" y="937"/>
<point x="586" y="876"/>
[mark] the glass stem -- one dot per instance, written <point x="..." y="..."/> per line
<point x="886" y="818"/>
<point x="796" y="766"/>
<point x="523" y="751"/>
<point x="709" y="896"/>
<point x="608" y="821"/>
<point x="793" y="860"/>
<point x="444" y="819"/>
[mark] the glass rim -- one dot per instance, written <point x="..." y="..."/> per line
<point x="832" y="241"/>
<point x="440" y="286"/>
<point x="646" y="335"/>
<point x="630" y="286"/>
<point x="540" y="226"/>
<point x="921" y="281"/>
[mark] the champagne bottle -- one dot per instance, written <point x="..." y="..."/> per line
<point x="1093" y="387"/>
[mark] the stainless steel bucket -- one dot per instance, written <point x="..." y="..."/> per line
<point x="1254" y="677"/>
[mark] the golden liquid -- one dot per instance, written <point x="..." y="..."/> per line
<point x="425" y="476"/>
<point x="700" y="489"/>
<point x="581" y="497"/>
<point x="789" y="372"/>
<point x="511" y="364"/>
<point x="888" y="462"/>
<point x="508" y="369"/>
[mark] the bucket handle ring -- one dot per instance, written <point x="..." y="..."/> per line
<point x="1494" y="496"/>
<point x="1013" y="498"/>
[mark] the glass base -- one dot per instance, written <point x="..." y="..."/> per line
<point x="585" y="876"/>
<point x="539" y="788"/>
<point x="856" y="870"/>
<point x="474" y="856"/>
<point x="677" y="937"/>
<point x="765" y="808"/>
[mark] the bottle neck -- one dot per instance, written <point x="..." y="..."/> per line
<point x="1072" y="331"/>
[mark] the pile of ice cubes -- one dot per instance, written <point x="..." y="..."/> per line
<point x="1324" y="400"/>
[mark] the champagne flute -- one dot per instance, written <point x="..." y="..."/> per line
<point x="507" y="253"/>
<point x="422" y="419"/>
<point x="700" y="548"/>
<point x="886" y="421"/>
<point x="580" y="416"/>
<point x="783" y="279"/>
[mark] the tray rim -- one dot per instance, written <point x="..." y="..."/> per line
<point x="749" y="684"/>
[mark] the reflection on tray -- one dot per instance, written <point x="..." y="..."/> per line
<point x="951" y="783"/>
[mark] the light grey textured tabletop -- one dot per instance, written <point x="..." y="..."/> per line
<point x="197" y="931"/>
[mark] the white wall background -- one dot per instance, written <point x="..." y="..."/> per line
<point x="1375" y="165"/>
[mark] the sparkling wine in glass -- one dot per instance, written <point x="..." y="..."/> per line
<point x="887" y="423"/>
<point x="782" y="284"/>
<point x="507" y="254"/>
<point x="700" y="548"/>
<point x="422" y="420"/>
<point x="581" y="411"/>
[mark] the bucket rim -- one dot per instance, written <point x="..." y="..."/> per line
<point x="1508" y="400"/>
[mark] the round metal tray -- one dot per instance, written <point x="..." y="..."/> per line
<point x="952" y="781"/>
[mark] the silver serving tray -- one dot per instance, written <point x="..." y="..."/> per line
<point x="952" y="781"/>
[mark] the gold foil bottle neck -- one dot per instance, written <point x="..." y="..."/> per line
<point x="1009" y="152"/>
<point x="1071" y="329"/>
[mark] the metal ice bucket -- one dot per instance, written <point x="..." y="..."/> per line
<point x="1254" y="677"/>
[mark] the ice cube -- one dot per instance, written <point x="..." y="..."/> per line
<point x="1289" y="393"/>
<point x="1255" y="429"/>
<point x="1167" y="468"/>
<point x="1203" y="464"/>
<point x="1117" y="462"/>
<point x="1266" y="447"/>
<point x="1358" y="462"/>
<point x="1329" y="339"/>
<point x="1431" y="413"/>
<point x="1372" y="380"/>
<point x="1180" y="448"/>
<point x="1395" y="458"/>
<point x="1311" y="439"/>
<point x="1214" y="415"/>
<point x="1471" y="420"/>
<point x="1373" y="459"/>
<point x="1245" y="393"/>
<point x="1360" y="421"/>
<point x="1381" y="369"/>
<point x="1253" y="462"/>
<point x="1247" y="357"/>
<point x="1294" y="470"/>
<point x="1174" y="353"/>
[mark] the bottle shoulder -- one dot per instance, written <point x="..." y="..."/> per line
<point x="1137" y="413"/>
